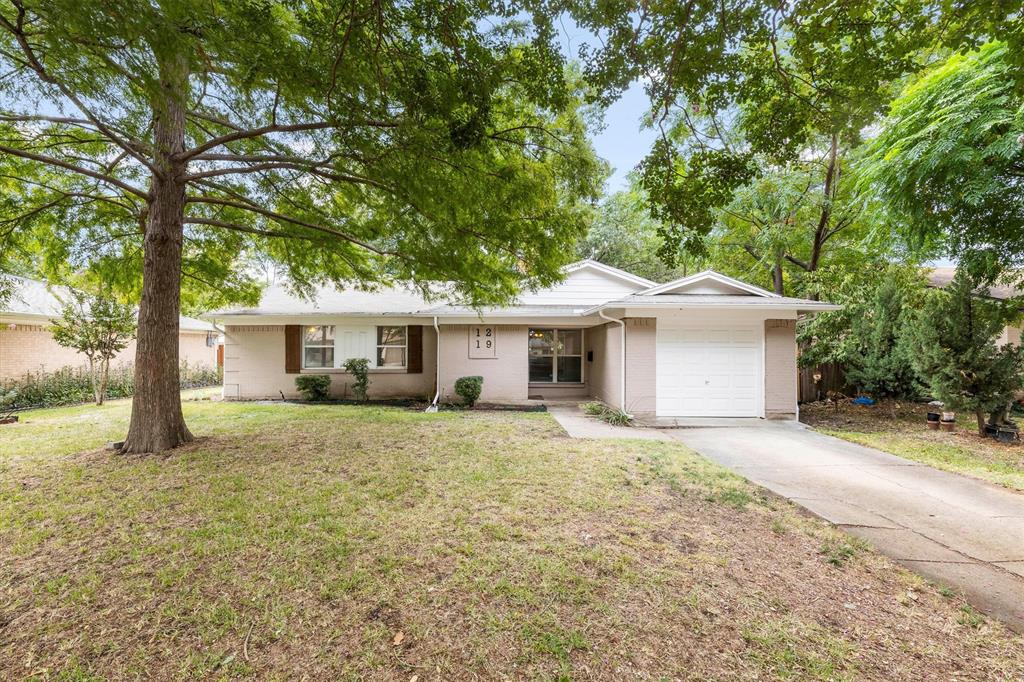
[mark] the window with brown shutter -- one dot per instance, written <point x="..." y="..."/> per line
<point x="414" y="362"/>
<point x="292" y="349"/>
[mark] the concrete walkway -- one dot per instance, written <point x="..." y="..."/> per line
<point x="949" y="528"/>
<point x="579" y="425"/>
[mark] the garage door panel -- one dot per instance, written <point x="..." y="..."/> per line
<point x="714" y="371"/>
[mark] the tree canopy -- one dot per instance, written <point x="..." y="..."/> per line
<point x="624" y="235"/>
<point x="360" y="142"/>
<point x="950" y="156"/>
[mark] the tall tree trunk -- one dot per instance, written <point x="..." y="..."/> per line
<point x="980" y="416"/>
<point x="777" y="281"/>
<point x="157" y="422"/>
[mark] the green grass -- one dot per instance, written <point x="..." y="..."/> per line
<point x="1002" y="465"/>
<point x="343" y="542"/>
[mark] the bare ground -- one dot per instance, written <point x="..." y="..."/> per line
<point x="899" y="428"/>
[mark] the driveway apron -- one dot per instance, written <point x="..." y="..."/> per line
<point x="949" y="528"/>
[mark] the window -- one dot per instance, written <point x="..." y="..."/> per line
<point x="318" y="347"/>
<point x="391" y="346"/>
<point x="556" y="355"/>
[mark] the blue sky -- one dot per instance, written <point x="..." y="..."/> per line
<point x="622" y="142"/>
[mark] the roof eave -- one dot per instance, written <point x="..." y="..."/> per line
<point x="808" y="307"/>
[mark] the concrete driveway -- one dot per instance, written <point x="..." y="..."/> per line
<point x="952" y="529"/>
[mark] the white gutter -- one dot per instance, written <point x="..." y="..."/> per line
<point x="622" y="359"/>
<point x="437" y="368"/>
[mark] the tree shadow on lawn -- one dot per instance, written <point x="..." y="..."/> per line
<point x="344" y="542"/>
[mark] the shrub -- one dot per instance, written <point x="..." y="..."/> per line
<point x="881" y="363"/>
<point x="314" y="387"/>
<point x="606" y="413"/>
<point x="954" y="340"/>
<point x="468" y="388"/>
<point x="359" y="368"/>
<point x="72" y="385"/>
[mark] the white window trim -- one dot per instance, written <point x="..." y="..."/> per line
<point x="555" y="355"/>
<point x="333" y="345"/>
<point x="378" y="346"/>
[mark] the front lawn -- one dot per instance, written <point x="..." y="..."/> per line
<point x="900" y="428"/>
<point x="333" y="542"/>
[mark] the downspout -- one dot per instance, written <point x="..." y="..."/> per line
<point x="437" y="368"/>
<point x="622" y="359"/>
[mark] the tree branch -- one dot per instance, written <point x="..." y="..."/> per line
<point x="269" y="129"/>
<point x="96" y="175"/>
<point x="281" y="218"/>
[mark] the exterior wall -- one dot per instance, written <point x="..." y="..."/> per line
<point x="1011" y="335"/>
<point x="192" y="349"/>
<point x="641" y="365"/>
<point x="603" y="372"/>
<point x="780" y="369"/>
<point x="254" y="368"/>
<point x="506" y="377"/>
<point x="30" y="348"/>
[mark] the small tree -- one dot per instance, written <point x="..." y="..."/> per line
<point x="99" y="327"/>
<point x="881" y="363"/>
<point x="953" y="340"/>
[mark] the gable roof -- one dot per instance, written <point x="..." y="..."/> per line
<point x="940" y="277"/>
<point x="327" y="300"/>
<point x="589" y="263"/>
<point x="712" y="277"/>
<point x="34" y="299"/>
<point x="706" y="289"/>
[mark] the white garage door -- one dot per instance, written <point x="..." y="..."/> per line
<point x="709" y="371"/>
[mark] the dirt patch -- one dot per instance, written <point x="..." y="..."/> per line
<point x="900" y="428"/>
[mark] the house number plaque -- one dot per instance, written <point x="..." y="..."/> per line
<point x="483" y="342"/>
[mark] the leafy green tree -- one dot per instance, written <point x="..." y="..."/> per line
<point x="881" y="363"/>
<point x="624" y="235"/>
<point x="99" y="327"/>
<point x="829" y="337"/>
<point x="163" y="146"/>
<point x="760" y="86"/>
<point x="953" y="342"/>
<point x="950" y="155"/>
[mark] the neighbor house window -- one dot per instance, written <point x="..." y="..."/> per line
<point x="318" y="347"/>
<point x="556" y="355"/>
<point x="391" y="346"/>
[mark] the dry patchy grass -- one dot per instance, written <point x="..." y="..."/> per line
<point x="900" y="429"/>
<point x="343" y="542"/>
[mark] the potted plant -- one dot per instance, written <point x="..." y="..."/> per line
<point x="948" y="422"/>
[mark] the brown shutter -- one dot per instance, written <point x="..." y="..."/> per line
<point x="414" y="363"/>
<point x="292" y="349"/>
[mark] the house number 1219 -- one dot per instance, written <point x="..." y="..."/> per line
<point x="482" y="342"/>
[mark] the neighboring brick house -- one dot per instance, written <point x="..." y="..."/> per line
<point x="704" y="345"/>
<point x="27" y="346"/>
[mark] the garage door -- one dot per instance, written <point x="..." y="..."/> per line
<point x="709" y="371"/>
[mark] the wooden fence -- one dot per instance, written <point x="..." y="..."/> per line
<point x="832" y="378"/>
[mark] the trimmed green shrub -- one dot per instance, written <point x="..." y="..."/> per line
<point x="359" y="368"/>
<point x="314" y="387"/>
<point x="469" y="388"/>
<point x="73" y="385"/>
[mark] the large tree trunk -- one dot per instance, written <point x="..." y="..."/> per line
<point x="157" y="423"/>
